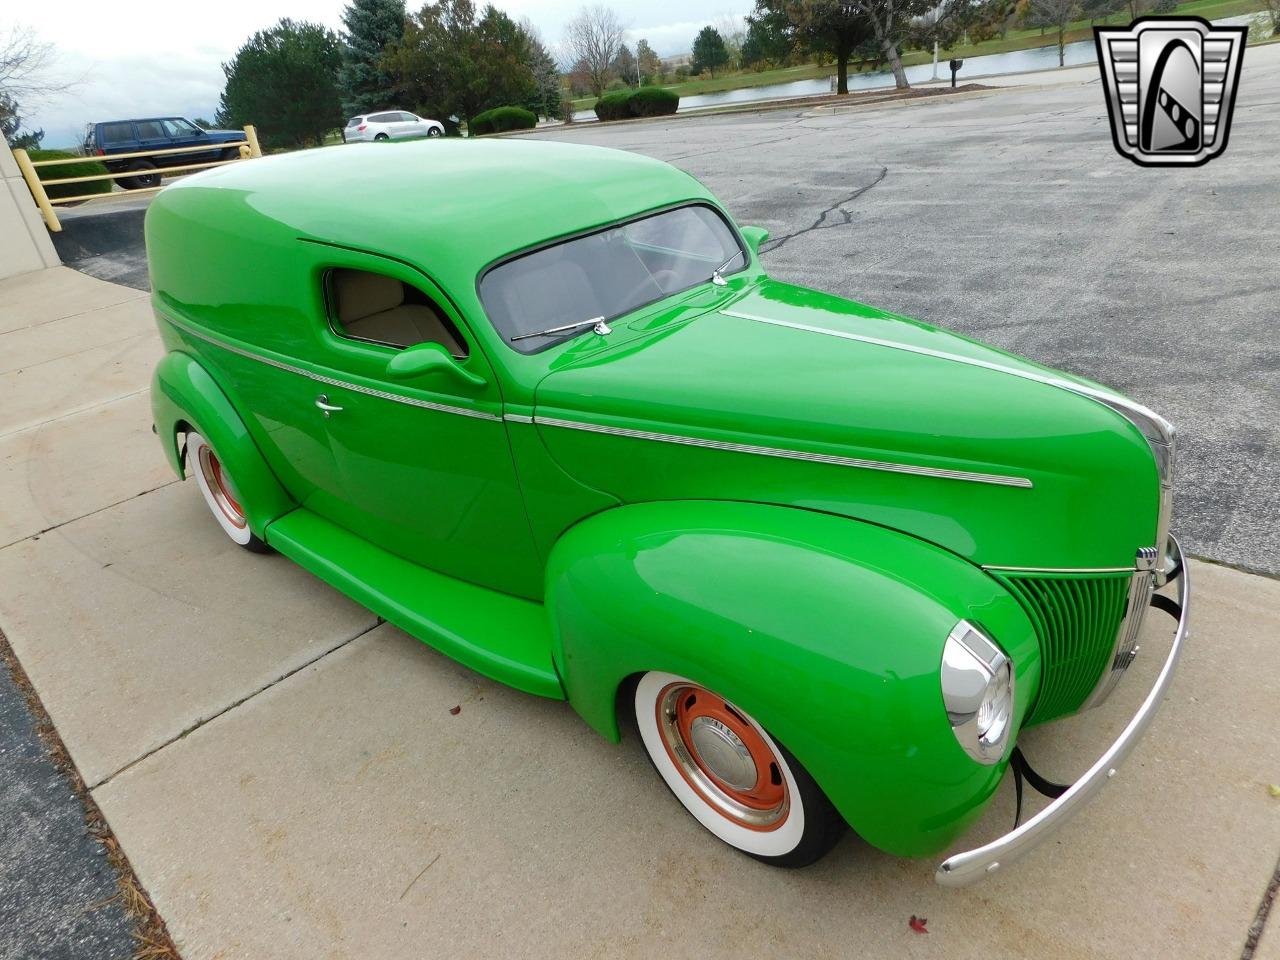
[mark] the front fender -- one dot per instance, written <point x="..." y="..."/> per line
<point x="183" y="394"/>
<point x="828" y="630"/>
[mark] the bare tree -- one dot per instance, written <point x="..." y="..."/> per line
<point x="1057" y="14"/>
<point x="26" y="67"/>
<point x="733" y="30"/>
<point x="593" y="38"/>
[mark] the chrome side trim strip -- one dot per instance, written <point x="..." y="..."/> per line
<point x="789" y="454"/>
<point x="517" y="418"/>
<point x="1107" y="399"/>
<point x="999" y="569"/>
<point x="964" y="868"/>
<point x="320" y="378"/>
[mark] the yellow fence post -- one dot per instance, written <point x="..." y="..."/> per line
<point x="251" y="134"/>
<point x="37" y="191"/>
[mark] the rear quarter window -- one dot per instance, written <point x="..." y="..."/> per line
<point x="355" y="121"/>
<point x="117" y="132"/>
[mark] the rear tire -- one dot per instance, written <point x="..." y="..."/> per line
<point x="143" y="180"/>
<point x="381" y="136"/>
<point x="731" y="776"/>
<point x="220" y="493"/>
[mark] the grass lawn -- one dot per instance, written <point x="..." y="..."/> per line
<point x="1013" y="40"/>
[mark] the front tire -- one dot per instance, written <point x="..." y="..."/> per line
<point x="434" y="132"/>
<point x="731" y="775"/>
<point x="220" y="493"/>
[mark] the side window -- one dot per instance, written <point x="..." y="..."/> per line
<point x="384" y="118"/>
<point x="408" y="118"/>
<point x="117" y="132"/>
<point x="150" y="129"/>
<point x="379" y="309"/>
<point x="180" y="128"/>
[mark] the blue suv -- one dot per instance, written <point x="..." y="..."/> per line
<point x="156" y="133"/>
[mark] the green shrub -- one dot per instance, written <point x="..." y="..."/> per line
<point x="614" y="106"/>
<point x="500" y="119"/>
<point x="645" y="102"/>
<point x="653" y="102"/>
<point x="50" y="175"/>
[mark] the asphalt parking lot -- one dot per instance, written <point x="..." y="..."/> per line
<point x="289" y="778"/>
<point x="1009" y="217"/>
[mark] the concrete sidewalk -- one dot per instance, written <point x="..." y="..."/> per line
<point x="288" y="779"/>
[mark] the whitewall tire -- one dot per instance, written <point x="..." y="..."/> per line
<point x="220" y="492"/>
<point x="731" y="775"/>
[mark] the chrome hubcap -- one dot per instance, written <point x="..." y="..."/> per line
<point x="723" y="756"/>
<point x="723" y="753"/>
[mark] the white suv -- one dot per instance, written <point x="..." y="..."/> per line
<point x="390" y="125"/>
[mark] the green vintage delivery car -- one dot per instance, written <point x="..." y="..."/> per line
<point x="540" y="406"/>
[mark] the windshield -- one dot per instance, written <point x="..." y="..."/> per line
<point x="607" y="274"/>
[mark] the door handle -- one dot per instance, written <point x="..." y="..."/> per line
<point x="323" y="403"/>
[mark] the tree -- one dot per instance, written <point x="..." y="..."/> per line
<point x="733" y="31"/>
<point x="371" y="25"/>
<point x="1056" y="14"/>
<point x="649" y="63"/>
<point x="26" y="77"/>
<point x="818" y="27"/>
<point x="284" y="80"/>
<point x="709" y="51"/>
<point x="11" y="124"/>
<point x="546" y="95"/>
<point x="593" y="38"/>
<point x="625" y="66"/>
<point x="449" y="63"/>
<point x="768" y="39"/>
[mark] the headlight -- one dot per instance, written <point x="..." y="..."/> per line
<point x="977" y="690"/>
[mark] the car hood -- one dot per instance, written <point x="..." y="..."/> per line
<point x="793" y="396"/>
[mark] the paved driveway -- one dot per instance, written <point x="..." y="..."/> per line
<point x="1008" y="216"/>
<point x="287" y="775"/>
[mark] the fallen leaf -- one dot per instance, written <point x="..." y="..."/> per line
<point x="1274" y="789"/>
<point x="456" y="710"/>
<point x="917" y="924"/>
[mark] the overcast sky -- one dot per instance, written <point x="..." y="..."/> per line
<point x="149" y="57"/>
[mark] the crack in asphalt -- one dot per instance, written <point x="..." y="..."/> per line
<point x="821" y="222"/>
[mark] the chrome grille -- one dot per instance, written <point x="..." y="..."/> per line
<point x="1077" y="618"/>
<point x="1141" y="586"/>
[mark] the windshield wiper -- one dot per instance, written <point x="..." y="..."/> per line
<point x="716" y="277"/>
<point x="598" y="323"/>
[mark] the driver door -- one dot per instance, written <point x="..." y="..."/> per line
<point x="424" y="464"/>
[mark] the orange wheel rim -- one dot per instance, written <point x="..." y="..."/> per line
<point x="220" y="487"/>
<point x="723" y="756"/>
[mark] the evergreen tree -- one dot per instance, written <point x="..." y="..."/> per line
<point x="709" y="51"/>
<point x="284" y="80"/>
<point x="371" y="26"/>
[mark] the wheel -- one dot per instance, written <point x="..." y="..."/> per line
<point x="143" y="180"/>
<point x="219" y="492"/>
<point x="381" y="136"/>
<point x="231" y="153"/>
<point x="434" y="132"/>
<point x="731" y="775"/>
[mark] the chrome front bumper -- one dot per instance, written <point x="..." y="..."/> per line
<point x="972" y="865"/>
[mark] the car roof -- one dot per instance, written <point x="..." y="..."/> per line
<point x="447" y="205"/>
<point x="143" y="119"/>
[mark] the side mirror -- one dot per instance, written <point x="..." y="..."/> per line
<point x="426" y="358"/>
<point x="754" y="237"/>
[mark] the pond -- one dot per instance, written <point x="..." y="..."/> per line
<point x="1016" y="61"/>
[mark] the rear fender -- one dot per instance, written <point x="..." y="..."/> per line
<point x="829" y="631"/>
<point x="184" y="396"/>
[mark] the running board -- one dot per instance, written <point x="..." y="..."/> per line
<point x="503" y="637"/>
